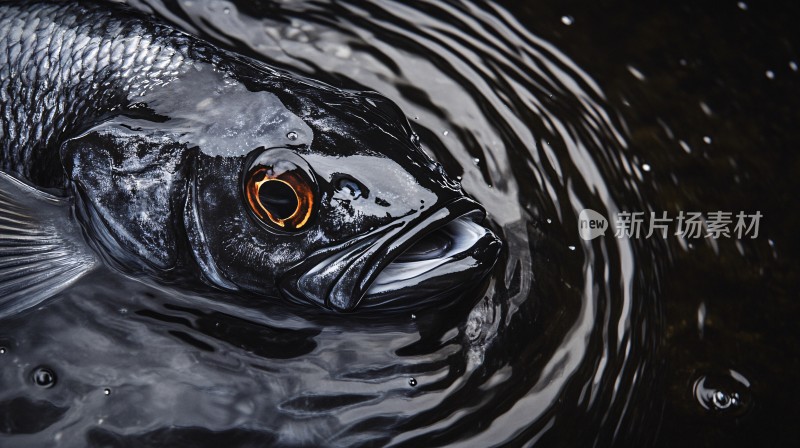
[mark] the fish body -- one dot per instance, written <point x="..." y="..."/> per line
<point x="176" y="158"/>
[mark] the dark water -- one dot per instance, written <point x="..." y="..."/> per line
<point x="543" y="110"/>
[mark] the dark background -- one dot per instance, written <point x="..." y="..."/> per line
<point x="717" y="54"/>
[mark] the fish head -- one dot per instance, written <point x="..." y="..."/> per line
<point x="318" y="194"/>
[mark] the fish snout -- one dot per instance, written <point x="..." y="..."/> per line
<point x="407" y="264"/>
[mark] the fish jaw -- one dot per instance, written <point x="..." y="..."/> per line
<point x="408" y="264"/>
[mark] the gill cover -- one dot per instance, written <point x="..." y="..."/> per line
<point x="128" y="185"/>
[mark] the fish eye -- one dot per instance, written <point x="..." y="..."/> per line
<point x="278" y="191"/>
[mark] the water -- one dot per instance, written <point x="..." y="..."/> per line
<point x="542" y="110"/>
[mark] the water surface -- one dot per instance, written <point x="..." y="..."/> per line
<point x="542" y="111"/>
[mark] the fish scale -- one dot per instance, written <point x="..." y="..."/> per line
<point x="60" y="73"/>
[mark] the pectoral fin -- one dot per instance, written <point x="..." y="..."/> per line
<point x="41" y="247"/>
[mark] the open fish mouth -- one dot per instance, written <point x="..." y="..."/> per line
<point x="442" y="261"/>
<point x="409" y="264"/>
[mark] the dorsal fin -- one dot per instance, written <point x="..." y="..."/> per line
<point x="41" y="247"/>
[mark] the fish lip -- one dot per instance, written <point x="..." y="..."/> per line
<point x="339" y="277"/>
<point x="414" y="280"/>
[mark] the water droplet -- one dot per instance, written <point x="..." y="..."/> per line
<point x="412" y="382"/>
<point x="571" y="247"/>
<point x="549" y="221"/>
<point x="44" y="377"/>
<point x="567" y="20"/>
<point x="415" y="139"/>
<point x="701" y="319"/>
<point x="707" y="140"/>
<point x="636" y="73"/>
<point x="106" y="391"/>
<point x="349" y="186"/>
<point x="226" y="10"/>
<point x="742" y="6"/>
<point x="476" y="160"/>
<point x="722" y="400"/>
<point x="793" y="66"/>
<point x="445" y="132"/>
<point x="770" y="74"/>
<point x="413" y="316"/>
<point x="292" y="135"/>
<point x="728" y="392"/>
<point x="646" y="167"/>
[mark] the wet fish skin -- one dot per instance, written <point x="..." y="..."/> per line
<point x="152" y="131"/>
<point x="68" y="64"/>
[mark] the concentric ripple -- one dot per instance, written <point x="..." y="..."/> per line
<point x="558" y="348"/>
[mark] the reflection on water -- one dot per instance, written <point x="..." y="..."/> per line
<point x="566" y="327"/>
<point x="564" y="348"/>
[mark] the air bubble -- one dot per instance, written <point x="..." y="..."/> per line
<point x="106" y="391"/>
<point x="567" y="20"/>
<point x="770" y="74"/>
<point x="292" y="135"/>
<point x="476" y="161"/>
<point x="2" y="350"/>
<point x="226" y="10"/>
<point x="412" y="382"/>
<point x="646" y="167"/>
<point x="445" y="133"/>
<point x="571" y="247"/>
<point x="415" y="139"/>
<point x="707" y="140"/>
<point x="742" y="6"/>
<point x="44" y="377"/>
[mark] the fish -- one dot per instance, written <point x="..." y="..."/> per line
<point x="132" y="144"/>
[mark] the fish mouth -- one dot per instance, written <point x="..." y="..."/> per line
<point x="411" y="263"/>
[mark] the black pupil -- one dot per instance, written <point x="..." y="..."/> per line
<point x="278" y="198"/>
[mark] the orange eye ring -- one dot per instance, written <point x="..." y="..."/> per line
<point x="279" y="193"/>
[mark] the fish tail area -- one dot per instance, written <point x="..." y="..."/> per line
<point x="42" y="250"/>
